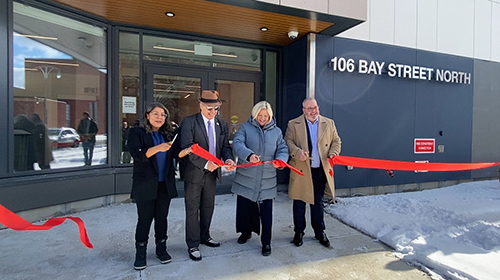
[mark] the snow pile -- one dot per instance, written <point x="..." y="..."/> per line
<point x="454" y="231"/>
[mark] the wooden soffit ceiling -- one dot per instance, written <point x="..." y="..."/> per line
<point x="211" y="18"/>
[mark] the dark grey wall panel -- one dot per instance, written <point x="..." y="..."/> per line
<point x="20" y="197"/>
<point x="486" y="116"/>
<point x="379" y="117"/>
<point x="124" y="182"/>
<point x="294" y="79"/>
<point x="324" y="78"/>
<point x="374" y="114"/>
<point x="446" y="108"/>
<point x="294" y="88"/>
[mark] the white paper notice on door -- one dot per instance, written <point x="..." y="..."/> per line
<point x="129" y="105"/>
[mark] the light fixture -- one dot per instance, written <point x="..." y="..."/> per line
<point x="264" y="29"/>
<point x="172" y="49"/>
<point x="191" y="51"/>
<point x="174" y="90"/>
<point x="47" y="69"/>
<point x="52" y="62"/>
<point x="163" y="84"/>
<point x="170" y="14"/>
<point x="225" y="55"/>
<point x="36" y="37"/>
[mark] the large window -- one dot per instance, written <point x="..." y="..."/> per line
<point x="129" y="89"/>
<point x="59" y="91"/>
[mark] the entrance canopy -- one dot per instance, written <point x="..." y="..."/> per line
<point x="241" y="19"/>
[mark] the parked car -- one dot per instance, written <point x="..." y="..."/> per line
<point x="62" y="137"/>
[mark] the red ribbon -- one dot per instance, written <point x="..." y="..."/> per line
<point x="282" y="164"/>
<point x="407" y="165"/>
<point x="199" y="151"/>
<point x="13" y="221"/>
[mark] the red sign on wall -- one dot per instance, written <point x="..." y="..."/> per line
<point x="424" y="146"/>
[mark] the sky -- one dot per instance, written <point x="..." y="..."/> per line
<point x="453" y="231"/>
<point x="26" y="48"/>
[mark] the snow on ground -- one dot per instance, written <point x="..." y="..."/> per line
<point x="73" y="157"/>
<point x="455" y="231"/>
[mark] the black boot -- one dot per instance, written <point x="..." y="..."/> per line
<point x="140" y="255"/>
<point x="161" y="251"/>
<point x="323" y="239"/>
<point x="266" y="250"/>
<point x="244" y="237"/>
<point x="297" y="239"/>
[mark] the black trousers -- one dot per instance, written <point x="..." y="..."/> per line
<point x="317" y="214"/>
<point x="199" y="200"/>
<point x="249" y="216"/>
<point x="88" y="151"/>
<point x="156" y="209"/>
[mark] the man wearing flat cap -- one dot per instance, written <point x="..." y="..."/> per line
<point x="200" y="175"/>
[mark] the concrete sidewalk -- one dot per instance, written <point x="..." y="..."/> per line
<point x="58" y="253"/>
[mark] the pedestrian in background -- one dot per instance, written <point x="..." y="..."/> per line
<point x="43" y="149"/>
<point x="87" y="129"/>
<point x="125" y="152"/>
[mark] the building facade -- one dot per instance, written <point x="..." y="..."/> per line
<point x="394" y="76"/>
<point x="415" y="73"/>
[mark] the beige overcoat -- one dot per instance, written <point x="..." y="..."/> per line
<point x="301" y="187"/>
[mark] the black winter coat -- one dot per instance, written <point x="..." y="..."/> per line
<point x="145" y="172"/>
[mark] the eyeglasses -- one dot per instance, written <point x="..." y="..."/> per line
<point x="312" y="108"/>
<point x="156" y="115"/>
<point x="210" y="108"/>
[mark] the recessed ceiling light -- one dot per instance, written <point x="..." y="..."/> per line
<point x="170" y="14"/>
<point x="263" y="29"/>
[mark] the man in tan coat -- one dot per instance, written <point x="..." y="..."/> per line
<point x="311" y="140"/>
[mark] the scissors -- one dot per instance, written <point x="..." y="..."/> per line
<point x="172" y="142"/>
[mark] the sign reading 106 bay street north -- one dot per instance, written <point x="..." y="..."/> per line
<point x="396" y="70"/>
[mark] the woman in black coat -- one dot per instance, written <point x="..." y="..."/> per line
<point x="153" y="183"/>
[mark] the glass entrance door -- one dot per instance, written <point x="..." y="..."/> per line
<point x="179" y="88"/>
<point x="238" y="97"/>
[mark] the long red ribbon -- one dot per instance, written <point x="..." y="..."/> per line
<point x="407" y="165"/>
<point x="199" y="151"/>
<point x="282" y="164"/>
<point x="13" y="221"/>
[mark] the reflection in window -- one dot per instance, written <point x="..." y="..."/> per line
<point x="129" y="89"/>
<point x="179" y="94"/>
<point x="59" y="91"/>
